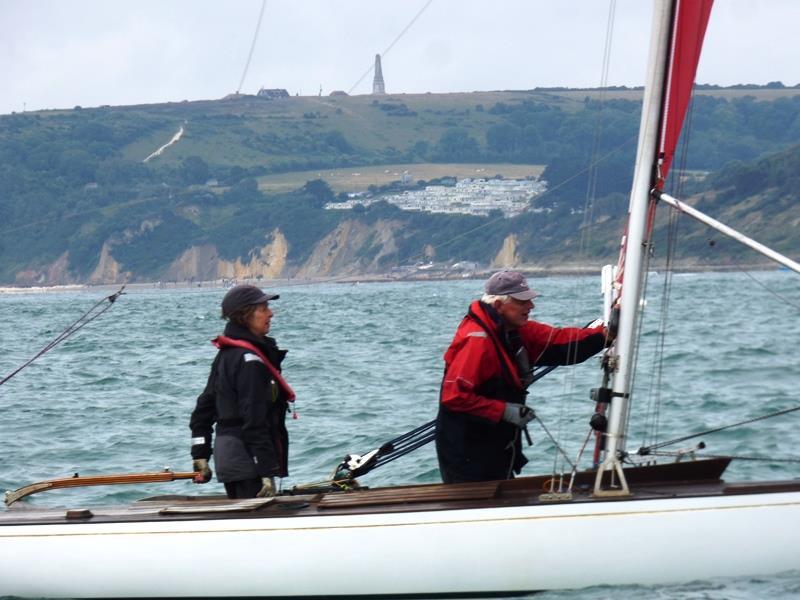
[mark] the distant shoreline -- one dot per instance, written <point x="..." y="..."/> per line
<point x="563" y="271"/>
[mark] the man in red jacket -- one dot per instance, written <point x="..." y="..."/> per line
<point x="488" y="368"/>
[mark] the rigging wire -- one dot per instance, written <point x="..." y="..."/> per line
<point x="591" y="167"/>
<point x="76" y="326"/>
<point x="645" y="450"/>
<point x="780" y="297"/>
<point x="639" y="329"/>
<point x="390" y="46"/>
<point x="736" y="263"/>
<point x="415" y="256"/>
<point x="144" y="200"/>
<point x="591" y="181"/>
<point x="653" y="411"/>
<point x="488" y="223"/>
<point x="570" y="377"/>
<point x="655" y="398"/>
<point x="252" y="45"/>
<point x="80" y="213"/>
<point x="768" y="459"/>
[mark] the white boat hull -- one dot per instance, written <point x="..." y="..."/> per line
<point x="513" y="549"/>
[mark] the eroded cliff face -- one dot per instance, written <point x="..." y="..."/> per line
<point x="267" y="262"/>
<point x="56" y="273"/>
<point x="352" y="248"/>
<point x="507" y="257"/>
<point x="108" y="269"/>
<point x="198" y="262"/>
<point x="204" y="262"/>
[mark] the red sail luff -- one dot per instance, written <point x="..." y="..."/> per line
<point x="689" y="23"/>
<point x="689" y="28"/>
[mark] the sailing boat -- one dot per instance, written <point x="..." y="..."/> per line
<point x="163" y="546"/>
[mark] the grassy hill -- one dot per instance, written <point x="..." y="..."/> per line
<point x="78" y="203"/>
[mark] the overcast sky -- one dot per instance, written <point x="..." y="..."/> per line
<point x="58" y="54"/>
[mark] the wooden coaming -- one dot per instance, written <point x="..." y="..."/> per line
<point x="675" y="480"/>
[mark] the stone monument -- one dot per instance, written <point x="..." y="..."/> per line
<point x="377" y="83"/>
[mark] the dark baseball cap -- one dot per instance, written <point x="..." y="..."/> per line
<point x="510" y="283"/>
<point x="244" y="295"/>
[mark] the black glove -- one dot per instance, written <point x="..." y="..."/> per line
<point x="200" y="465"/>
<point x="613" y="323"/>
<point x="518" y="414"/>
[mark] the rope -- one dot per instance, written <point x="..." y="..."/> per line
<point x="403" y="445"/>
<point x="252" y="46"/>
<point x="555" y="443"/>
<point x="649" y="449"/>
<point x="424" y="434"/>
<point x="84" y="320"/>
<point x="578" y="459"/>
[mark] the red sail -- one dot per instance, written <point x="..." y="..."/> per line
<point x="689" y="22"/>
<point x="689" y="27"/>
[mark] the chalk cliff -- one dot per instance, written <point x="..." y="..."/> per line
<point x="352" y="248"/>
<point x="204" y="262"/>
<point x="508" y="256"/>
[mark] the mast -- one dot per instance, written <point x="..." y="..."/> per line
<point x="636" y="238"/>
<point x="678" y="29"/>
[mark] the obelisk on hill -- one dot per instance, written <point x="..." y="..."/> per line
<point x="377" y="82"/>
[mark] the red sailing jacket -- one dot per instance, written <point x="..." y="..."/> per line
<point x="473" y="359"/>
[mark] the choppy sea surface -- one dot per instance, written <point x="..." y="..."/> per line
<point x="366" y="362"/>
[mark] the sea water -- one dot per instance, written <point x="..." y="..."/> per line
<point x="366" y="361"/>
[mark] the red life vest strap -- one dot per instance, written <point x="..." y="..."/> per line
<point x="507" y="365"/>
<point x="222" y="341"/>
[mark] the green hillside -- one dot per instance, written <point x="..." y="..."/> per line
<point x="75" y="191"/>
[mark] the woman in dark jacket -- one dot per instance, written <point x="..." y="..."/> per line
<point x="247" y="399"/>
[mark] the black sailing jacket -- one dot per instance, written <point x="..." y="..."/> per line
<point x="249" y="411"/>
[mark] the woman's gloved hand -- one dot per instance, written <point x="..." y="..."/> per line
<point x="200" y="466"/>
<point x="267" y="488"/>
